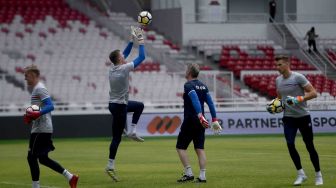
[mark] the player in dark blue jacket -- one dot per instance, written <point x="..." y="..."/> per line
<point x="194" y="123"/>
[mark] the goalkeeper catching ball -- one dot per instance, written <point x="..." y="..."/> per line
<point x="119" y="89"/>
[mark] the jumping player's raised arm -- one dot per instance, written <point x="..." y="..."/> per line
<point x="140" y="57"/>
<point x="128" y="49"/>
<point x="138" y="34"/>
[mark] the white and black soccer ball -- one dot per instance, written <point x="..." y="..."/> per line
<point x="276" y="105"/>
<point x="33" y="108"/>
<point x="144" y="18"/>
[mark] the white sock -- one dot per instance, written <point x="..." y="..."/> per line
<point x="36" y="184"/>
<point x="318" y="174"/>
<point x="202" y="174"/>
<point x="67" y="174"/>
<point x="110" y="164"/>
<point x="301" y="172"/>
<point x="133" y="128"/>
<point x="188" y="171"/>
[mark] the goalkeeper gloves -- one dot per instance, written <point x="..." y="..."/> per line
<point x="133" y="35"/>
<point x="294" y="100"/>
<point x="26" y="119"/>
<point x="203" y="121"/>
<point x="215" y="126"/>
<point x="33" y="114"/>
<point x="139" y="35"/>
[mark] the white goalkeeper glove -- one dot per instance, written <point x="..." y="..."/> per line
<point x="215" y="126"/>
<point x="133" y="35"/>
<point x="138" y="34"/>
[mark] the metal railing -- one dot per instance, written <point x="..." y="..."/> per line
<point x="297" y="35"/>
<point x="102" y="108"/>
<point x="310" y="18"/>
<point x="223" y="17"/>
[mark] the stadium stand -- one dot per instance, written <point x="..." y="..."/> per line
<point x="69" y="48"/>
<point x="261" y="83"/>
<point x="71" y="51"/>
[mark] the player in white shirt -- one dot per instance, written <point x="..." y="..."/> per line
<point x="40" y="143"/>
<point x="119" y="89"/>
<point x="294" y="90"/>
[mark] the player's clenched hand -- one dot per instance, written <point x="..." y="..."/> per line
<point x="203" y="121"/>
<point x="294" y="100"/>
<point x="215" y="126"/>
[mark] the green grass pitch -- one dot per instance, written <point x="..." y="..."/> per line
<point x="233" y="162"/>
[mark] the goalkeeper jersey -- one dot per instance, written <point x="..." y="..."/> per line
<point x="43" y="124"/>
<point x="201" y="91"/>
<point x="119" y="83"/>
<point x="292" y="86"/>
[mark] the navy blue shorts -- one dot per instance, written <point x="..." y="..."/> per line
<point x="303" y="124"/>
<point x="40" y="144"/>
<point x="191" y="130"/>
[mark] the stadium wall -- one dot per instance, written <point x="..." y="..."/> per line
<point x="262" y="6"/>
<point x="130" y="7"/>
<point x="224" y="31"/>
<point x="163" y="124"/>
<point x="170" y="23"/>
<point x="314" y="10"/>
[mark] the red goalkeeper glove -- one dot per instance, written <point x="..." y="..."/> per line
<point x="203" y="121"/>
<point x="33" y="114"/>
<point x="27" y="120"/>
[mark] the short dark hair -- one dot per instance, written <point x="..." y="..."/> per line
<point x="32" y="69"/>
<point x="114" y="55"/>
<point x="194" y="70"/>
<point x="282" y="57"/>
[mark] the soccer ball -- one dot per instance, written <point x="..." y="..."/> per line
<point x="144" y="18"/>
<point x="276" y="105"/>
<point x="33" y="108"/>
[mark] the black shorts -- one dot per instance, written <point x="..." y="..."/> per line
<point x="191" y="130"/>
<point x="40" y="144"/>
<point x="303" y="124"/>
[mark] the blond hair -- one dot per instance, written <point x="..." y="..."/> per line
<point x="32" y="69"/>
<point x="193" y="70"/>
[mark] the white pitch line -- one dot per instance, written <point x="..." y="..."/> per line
<point x="24" y="184"/>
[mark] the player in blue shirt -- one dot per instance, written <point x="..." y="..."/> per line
<point x="194" y="123"/>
